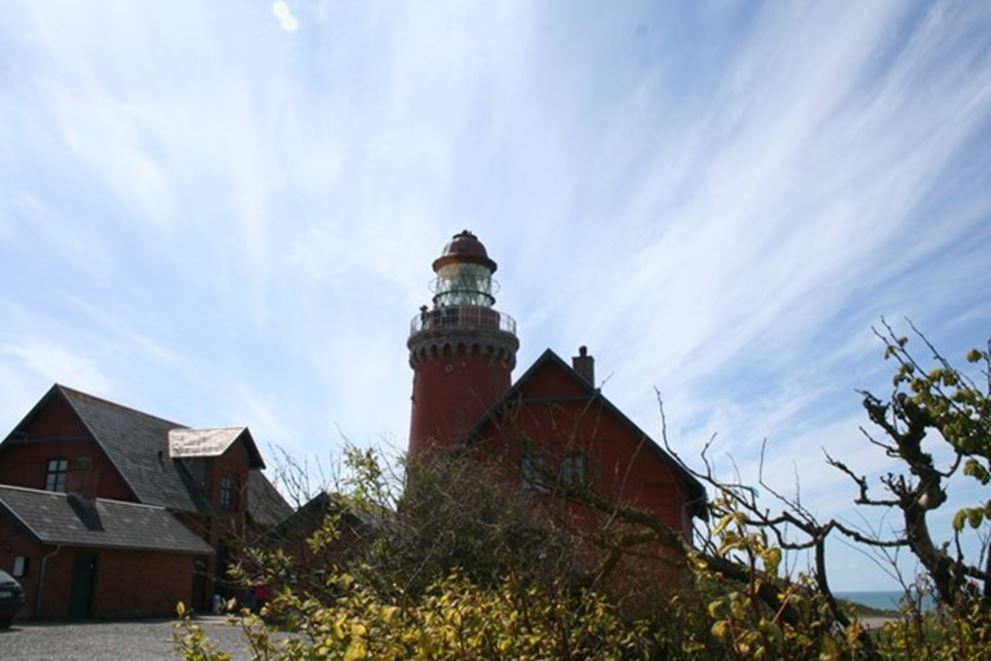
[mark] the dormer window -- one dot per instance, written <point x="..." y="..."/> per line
<point x="55" y="475"/>
<point x="228" y="492"/>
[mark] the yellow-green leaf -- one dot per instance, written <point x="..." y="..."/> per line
<point x="959" y="519"/>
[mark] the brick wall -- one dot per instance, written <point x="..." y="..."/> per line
<point x="557" y="418"/>
<point x="127" y="583"/>
<point x="57" y="420"/>
<point x="13" y="544"/>
<point x="56" y="433"/>
<point x="57" y="572"/>
<point x="225" y="530"/>
<point x="141" y="583"/>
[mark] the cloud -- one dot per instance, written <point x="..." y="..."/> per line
<point x="283" y="14"/>
<point x="804" y="203"/>
<point x="718" y="202"/>
<point x="54" y="363"/>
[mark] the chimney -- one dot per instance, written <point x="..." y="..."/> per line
<point x="584" y="364"/>
<point x="85" y="509"/>
<point x="81" y="479"/>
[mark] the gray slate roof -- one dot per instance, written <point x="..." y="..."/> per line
<point x="301" y="523"/>
<point x="57" y="518"/>
<point x="265" y="504"/>
<point x="137" y="444"/>
<point x="184" y="442"/>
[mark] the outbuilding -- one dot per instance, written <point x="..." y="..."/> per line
<point x="79" y="558"/>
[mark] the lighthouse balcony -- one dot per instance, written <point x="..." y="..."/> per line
<point x="463" y="317"/>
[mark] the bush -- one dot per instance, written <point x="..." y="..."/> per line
<point x="462" y="566"/>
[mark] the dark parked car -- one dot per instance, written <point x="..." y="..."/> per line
<point x="11" y="599"/>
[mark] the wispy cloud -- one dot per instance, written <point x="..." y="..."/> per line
<point x="52" y="362"/>
<point x="204" y="216"/>
<point x="283" y="14"/>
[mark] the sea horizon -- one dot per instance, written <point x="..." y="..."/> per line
<point x="882" y="599"/>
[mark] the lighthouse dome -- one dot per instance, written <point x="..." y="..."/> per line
<point x="464" y="247"/>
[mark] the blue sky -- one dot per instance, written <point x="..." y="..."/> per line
<point x="225" y="213"/>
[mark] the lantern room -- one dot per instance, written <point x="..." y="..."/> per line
<point x="462" y="350"/>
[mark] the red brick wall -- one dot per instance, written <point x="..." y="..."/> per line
<point x="58" y="572"/>
<point x="206" y="528"/>
<point x="13" y="544"/>
<point x="56" y="433"/>
<point x="450" y="394"/>
<point x="56" y="420"/>
<point x="128" y="583"/>
<point x="233" y="462"/>
<point x="25" y="465"/>
<point x="141" y="583"/>
<point x="58" y="583"/>
<point x="557" y="419"/>
<point x="227" y="529"/>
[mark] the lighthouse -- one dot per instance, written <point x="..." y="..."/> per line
<point x="462" y="350"/>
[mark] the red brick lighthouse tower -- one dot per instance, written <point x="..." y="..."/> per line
<point x="462" y="351"/>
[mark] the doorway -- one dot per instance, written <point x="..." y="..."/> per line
<point x="83" y="580"/>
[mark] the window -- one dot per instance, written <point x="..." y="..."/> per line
<point x="20" y="566"/>
<point x="532" y="473"/>
<point x="572" y="471"/>
<point x="228" y="493"/>
<point x="55" y="475"/>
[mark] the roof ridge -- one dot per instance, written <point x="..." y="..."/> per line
<point x="18" y="487"/>
<point x="593" y="393"/>
<point x="132" y="503"/>
<point x="63" y="494"/>
<point x="69" y="390"/>
<point x="211" y="428"/>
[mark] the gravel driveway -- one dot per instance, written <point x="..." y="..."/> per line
<point x="95" y="641"/>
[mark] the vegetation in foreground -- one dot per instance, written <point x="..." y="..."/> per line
<point x="459" y="568"/>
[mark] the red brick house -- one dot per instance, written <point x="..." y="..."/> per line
<point x="553" y="423"/>
<point x="80" y="558"/>
<point x="356" y="529"/>
<point x="125" y="469"/>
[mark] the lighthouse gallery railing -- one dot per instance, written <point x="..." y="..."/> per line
<point x="463" y="316"/>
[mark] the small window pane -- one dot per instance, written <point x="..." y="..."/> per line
<point x="532" y="472"/>
<point x="55" y="474"/>
<point x="573" y="469"/>
<point x="227" y="492"/>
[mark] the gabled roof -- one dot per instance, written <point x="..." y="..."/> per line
<point x="695" y="489"/>
<point x="57" y="518"/>
<point x="265" y="504"/>
<point x="137" y="444"/>
<point x="134" y="442"/>
<point x="305" y="520"/>
<point x="190" y="443"/>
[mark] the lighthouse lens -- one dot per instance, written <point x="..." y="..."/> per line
<point x="464" y="284"/>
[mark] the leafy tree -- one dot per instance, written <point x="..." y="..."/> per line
<point x="460" y="566"/>
<point x="939" y="405"/>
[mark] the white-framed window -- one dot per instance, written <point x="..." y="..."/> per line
<point x="20" y="567"/>
<point x="533" y="473"/>
<point x="228" y="492"/>
<point x="55" y="472"/>
<point x="574" y="468"/>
